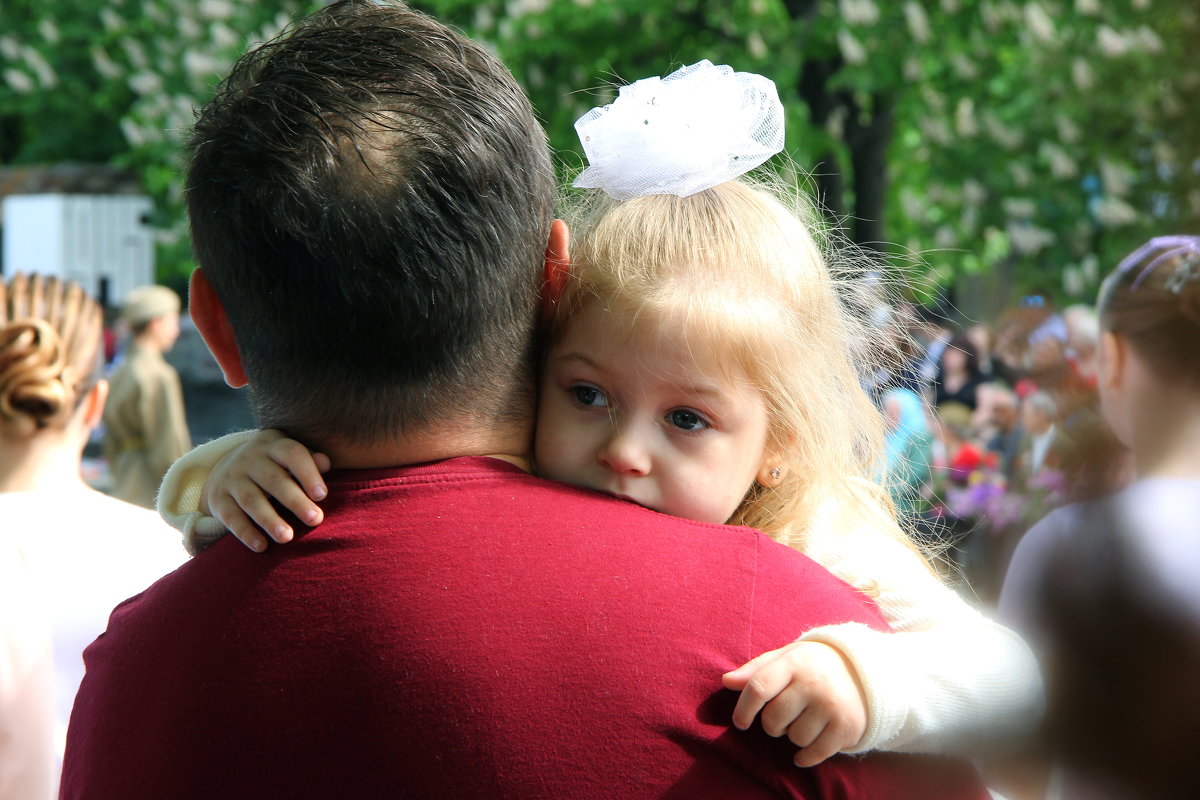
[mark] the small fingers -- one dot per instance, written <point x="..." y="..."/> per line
<point x="760" y="690"/>
<point x="271" y="479"/>
<point x="256" y="505"/>
<point x="301" y="463"/>
<point x="232" y="517"/>
<point x="830" y="742"/>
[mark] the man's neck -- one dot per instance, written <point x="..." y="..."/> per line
<point x="147" y="342"/>
<point x="513" y="444"/>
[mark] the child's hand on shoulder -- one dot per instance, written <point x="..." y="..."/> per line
<point x="806" y="690"/>
<point x="239" y="490"/>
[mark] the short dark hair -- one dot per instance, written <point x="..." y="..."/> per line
<point x="370" y="195"/>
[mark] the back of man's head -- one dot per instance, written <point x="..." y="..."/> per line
<point x="370" y="196"/>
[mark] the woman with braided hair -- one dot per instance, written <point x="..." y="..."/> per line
<point x="68" y="553"/>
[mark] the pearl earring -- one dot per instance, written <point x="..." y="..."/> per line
<point x="775" y="473"/>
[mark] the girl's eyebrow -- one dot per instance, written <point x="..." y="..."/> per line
<point x="578" y="356"/>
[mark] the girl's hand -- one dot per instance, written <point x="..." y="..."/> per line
<point x="807" y="690"/>
<point x="268" y="466"/>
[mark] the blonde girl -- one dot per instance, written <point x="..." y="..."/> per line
<point x="701" y="362"/>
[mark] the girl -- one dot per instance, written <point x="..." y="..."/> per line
<point x="701" y="363"/>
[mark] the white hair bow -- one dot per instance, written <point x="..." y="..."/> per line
<point x="700" y="126"/>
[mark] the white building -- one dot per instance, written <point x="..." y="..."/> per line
<point x="102" y="242"/>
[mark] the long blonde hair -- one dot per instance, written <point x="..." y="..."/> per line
<point x="50" y="346"/>
<point x="741" y="266"/>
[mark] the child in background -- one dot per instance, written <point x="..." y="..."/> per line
<point x="701" y="363"/>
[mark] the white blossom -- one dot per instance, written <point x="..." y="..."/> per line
<point x="1141" y="5"/>
<point x="1117" y="178"/>
<point x="1149" y="40"/>
<point x="519" y="8"/>
<point x="10" y="48"/>
<point x="945" y="237"/>
<point x="132" y="133"/>
<point x="146" y="82"/>
<point x="836" y="124"/>
<point x="45" y="73"/>
<point x="1006" y="137"/>
<point x="1089" y="265"/>
<point x="216" y="9"/>
<point x="1082" y="75"/>
<point x="1164" y="153"/>
<point x="992" y="18"/>
<point x="189" y="29"/>
<point x="913" y="205"/>
<point x="858" y="12"/>
<point x="136" y="53"/>
<point x="1068" y="131"/>
<point x="964" y="118"/>
<point x="1019" y="208"/>
<point x="103" y="64"/>
<point x="1040" y="26"/>
<point x="223" y="37"/>
<point x="1061" y="164"/>
<point x="48" y="30"/>
<point x="933" y="98"/>
<point x="852" y="49"/>
<point x="111" y="20"/>
<point x="18" y="81"/>
<point x="1112" y="43"/>
<point x="199" y="64"/>
<point x="1115" y="212"/>
<point x="918" y="22"/>
<point x="969" y="219"/>
<point x="973" y="192"/>
<point x="935" y="129"/>
<point x="1021" y="175"/>
<point x="950" y="6"/>
<point x="963" y="66"/>
<point x="1088" y="7"/>
<point x="912" y="69"/>
<point x="1028" y="239"/>
<point x="1072" y="281"/>
<point x="756" y="46"/>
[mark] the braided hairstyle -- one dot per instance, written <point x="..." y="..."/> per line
<point x="50" y="347"/>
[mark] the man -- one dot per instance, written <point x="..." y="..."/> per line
<point x="371" y="204"/>
<point x="144" y="422"/>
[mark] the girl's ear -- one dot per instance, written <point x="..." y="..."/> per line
<point x="771" y="473"/>
<point x="557" y="267"/>
<point x="1113" y="360"/>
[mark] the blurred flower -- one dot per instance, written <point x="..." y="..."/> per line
<point x="852" y="49"/>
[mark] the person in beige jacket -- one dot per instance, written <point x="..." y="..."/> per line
<point x="145" y="426"/>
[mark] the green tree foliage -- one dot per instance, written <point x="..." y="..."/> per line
<point x="1036" y="140"/>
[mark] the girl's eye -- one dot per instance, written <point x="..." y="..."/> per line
<point x="588" y="396"/>
<point x="687" y="420"/>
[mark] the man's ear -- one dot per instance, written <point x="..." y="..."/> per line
<point x="557" y="267"/>
<point x="209" y="316"/>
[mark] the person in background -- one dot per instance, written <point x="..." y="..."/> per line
<point x="76" y="552"/>
<point x="1039" y="417"/>
<point x="1003" y="426"/>
<point x="1108" y="591"/>
<point x="145" y="425"/>
<point x="958" y="376"/>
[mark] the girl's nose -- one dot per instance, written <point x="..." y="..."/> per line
<point x="624" y="453"/>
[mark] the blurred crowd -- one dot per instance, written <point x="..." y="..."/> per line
<point x="991" y="425"/>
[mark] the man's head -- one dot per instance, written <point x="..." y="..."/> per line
<point x="370" y="197"/>
<point x="152" y="314"/>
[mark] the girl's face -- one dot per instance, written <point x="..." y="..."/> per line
<point x="642" y="414"/>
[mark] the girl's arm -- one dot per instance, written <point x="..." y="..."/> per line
<point x="227" y="485"/>
<point x="946" y="680"/>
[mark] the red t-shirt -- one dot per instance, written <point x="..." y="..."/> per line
<point x="462" y="629"/>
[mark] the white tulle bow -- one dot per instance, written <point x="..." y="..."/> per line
<point x="700" y="126"/>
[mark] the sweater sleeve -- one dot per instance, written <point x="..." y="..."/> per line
<point x="179" y="495"/>
<point x="947" y="679"/>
